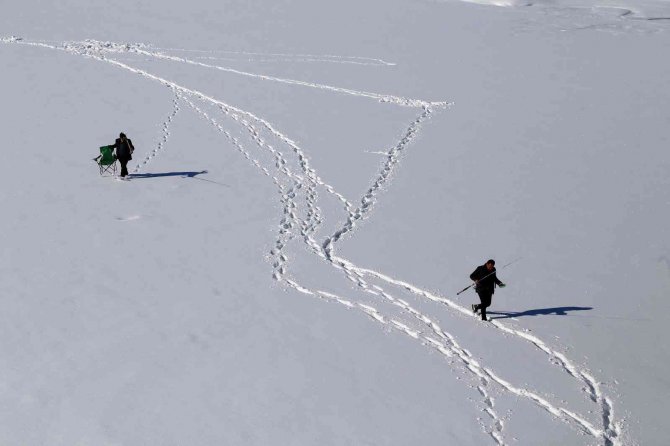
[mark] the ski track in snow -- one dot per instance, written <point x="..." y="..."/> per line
<point x="297" y="182"/>
<point x="250" y="56"/>
<point x="293" y="60"/>
<point x="380" y="97"/>
<point x="326" y="58"/>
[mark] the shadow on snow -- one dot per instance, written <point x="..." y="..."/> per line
<point x="193" y="175"/>
<point x="557" y="311"/>
<point x="166" y="174"/>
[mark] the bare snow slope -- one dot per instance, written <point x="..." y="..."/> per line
<point x="312" y="184"/>
<point x="629" y="9"/>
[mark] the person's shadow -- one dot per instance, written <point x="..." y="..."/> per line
<point x="193" y="175"/>
<point x="556" y="311"/>
<point x="166" y="174"/>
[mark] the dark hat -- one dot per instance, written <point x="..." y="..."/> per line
<point x="122" y="135"/>
<point x="491" y="261"/>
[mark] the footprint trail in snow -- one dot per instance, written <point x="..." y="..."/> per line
<point x="299" y="186"/>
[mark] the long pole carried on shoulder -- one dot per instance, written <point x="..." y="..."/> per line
<point x="492" y="272"/>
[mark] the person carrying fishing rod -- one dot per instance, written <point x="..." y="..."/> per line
<point x="485" y="282"/>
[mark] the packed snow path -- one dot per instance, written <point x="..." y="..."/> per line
<point x="280" y="158"/>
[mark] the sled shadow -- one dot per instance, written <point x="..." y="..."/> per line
<point x="193" y="175"/>
<point x="557" y="311"/>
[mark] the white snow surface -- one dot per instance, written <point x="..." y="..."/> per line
<point x="635" y="9"/>
<point x="313" y="183"/>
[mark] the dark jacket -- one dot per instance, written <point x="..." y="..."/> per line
<point x="124" y="150"/>
<point x="486" y="280"/>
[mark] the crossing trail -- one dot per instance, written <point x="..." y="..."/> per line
<point x="385" y="300"/>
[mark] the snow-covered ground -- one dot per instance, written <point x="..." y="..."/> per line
<point x="631" y="9"/>
<point x="313" y="184"/>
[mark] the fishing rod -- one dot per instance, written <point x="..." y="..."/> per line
<point x="492" y="272"/>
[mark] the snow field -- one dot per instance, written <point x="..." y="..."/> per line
<point x="272" y="176"/>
